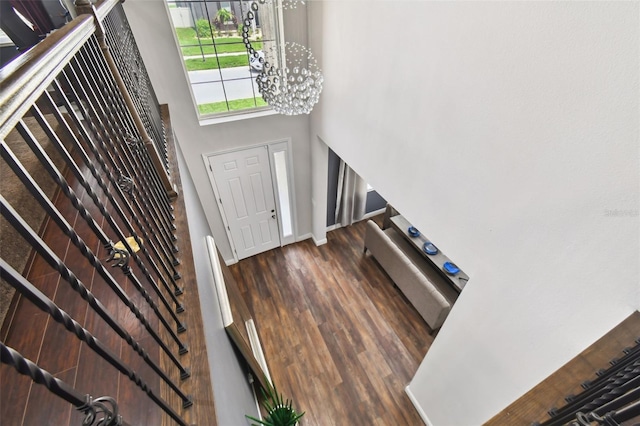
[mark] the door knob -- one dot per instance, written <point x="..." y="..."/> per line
<point x="273" y="216"/>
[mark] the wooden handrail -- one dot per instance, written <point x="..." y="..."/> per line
<point x="27" y="77"/>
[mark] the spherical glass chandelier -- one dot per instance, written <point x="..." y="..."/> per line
<point x="295" y="88"/>
<point x="290" y="81"/>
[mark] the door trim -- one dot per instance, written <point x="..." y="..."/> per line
<point x="290" y="175"/>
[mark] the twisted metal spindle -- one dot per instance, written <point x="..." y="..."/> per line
<point x="104" y="79"/>
<point x="72" y="82"/>
<point x="621" y="401"/>
<point x="125" y="51"/>
<point x="139" y="115"/>
<point x="47" y="128"/>
<point x="97" y="158"/>
<point x="84" y="403"/>
<point x="615" y="388"/>
<point x="105" y="119"/>
<point x="73" y="198"/>
<point x="54" y="261"/>
<point x="57" y="217"/>
<point x="45" y="304"/>
<point x="120" y="67"/>
<point x="108" y="78"/>
<point x="605" y="384"/>
<point x="104" y="406"/>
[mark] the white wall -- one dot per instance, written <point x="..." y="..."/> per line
<point x="319" y="149"/>
<point x="154" y="35"/>
<point x="234" y="397"/>
<point x="507" y="132"/>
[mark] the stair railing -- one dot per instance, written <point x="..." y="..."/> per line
<point x="65" y="94"/>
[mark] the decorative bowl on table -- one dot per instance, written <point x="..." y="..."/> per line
<point x="413" y="231"/>
<point x="450" y="268"/>
<point x="429" y="248"/>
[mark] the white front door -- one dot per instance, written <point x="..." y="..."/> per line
<point x="243" y="180"/>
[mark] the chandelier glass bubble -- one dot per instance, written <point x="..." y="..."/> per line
<point x="295" y="88"/>
<point x="290" y="80"/>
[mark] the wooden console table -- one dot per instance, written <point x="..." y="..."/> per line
<point x="400" y="224"/>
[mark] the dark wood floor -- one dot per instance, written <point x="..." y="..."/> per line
<point x="339" y="338"/>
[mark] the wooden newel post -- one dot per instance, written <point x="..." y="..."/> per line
<point x="86" y="7"/>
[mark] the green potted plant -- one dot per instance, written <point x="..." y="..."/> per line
<point x="280" y="412"/>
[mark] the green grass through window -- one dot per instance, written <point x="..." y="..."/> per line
<point x="190" y="45"/>
<point x="207" y="48"/>
<point x="212" y="63"/>
<point x="234" y="105"/>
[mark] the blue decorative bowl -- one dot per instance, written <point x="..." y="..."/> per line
<point x="429" y="248"/>
<point x="413" y="231"/>
<point x="450" y="268"/>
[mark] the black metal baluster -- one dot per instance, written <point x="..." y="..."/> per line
<point x="627" y="413"/>
<point x="137" y="91"/>
<point x="29" y="235"/>
<point x="106" y="81"/>
<point x="616" y="388"/>
<point x="103" y="104"/>
<point x="58" y="178"/>
<point x="125" y="201"/>
<point x="84" y="403"/>
<point x="89" y="140"/>
<point x="97" y="111"/>
<point x="120" y="101"/>
<point x="596" y="390"/>
<point x="45" y="304"/>
<point x="133" y="71"/>
<point x="105" y="191"/>
<point x="57" y="217"/>
<point x="141" y="213"/>
<point x="618" y="403"/>
<point x="84" y="213"/>
<point x="113" y="93"/>
<point x="631" y="357"/>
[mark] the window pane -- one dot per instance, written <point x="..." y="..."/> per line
<point x="209" y="34"/>
<point x="282" y="181"/>
<point x="208" y="92"/>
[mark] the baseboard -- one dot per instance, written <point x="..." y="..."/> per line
<point x="230" y="262"/>
<point x="313" y="237"/>
<point x="318" y="242"/>
<point x="304" y="237"/>
<point x="417" y="406"/>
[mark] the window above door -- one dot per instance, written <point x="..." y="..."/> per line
<point x="220" y="71"/>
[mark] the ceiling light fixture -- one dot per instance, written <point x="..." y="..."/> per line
<point x="290" y="83"/>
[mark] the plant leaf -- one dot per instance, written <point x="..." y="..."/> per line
<point x="262" y="422"/>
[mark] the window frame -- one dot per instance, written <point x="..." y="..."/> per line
<point x="230" y="115"/>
